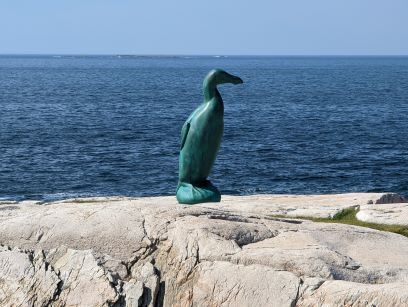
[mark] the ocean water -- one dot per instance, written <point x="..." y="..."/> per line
<point x="110" y="125"/>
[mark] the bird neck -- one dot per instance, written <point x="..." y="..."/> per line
<point x="211" y="91"/>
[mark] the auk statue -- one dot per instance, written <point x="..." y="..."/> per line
<point x="200" y="140"/>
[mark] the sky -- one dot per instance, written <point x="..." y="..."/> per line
<point x="214" y="27"/>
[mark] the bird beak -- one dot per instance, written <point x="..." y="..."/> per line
<point x="237" y="80"/>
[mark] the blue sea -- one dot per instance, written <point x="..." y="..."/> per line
<point x="74" y="126"/>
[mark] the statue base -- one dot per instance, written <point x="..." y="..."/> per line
<point x="202" y="192"/>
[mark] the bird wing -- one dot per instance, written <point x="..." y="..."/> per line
<point x="184" y="133"/>
<point x="186" y="126"/>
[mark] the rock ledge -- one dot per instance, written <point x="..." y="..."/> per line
<point x="153" y="252"/>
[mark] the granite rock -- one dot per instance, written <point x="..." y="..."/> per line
<point x="240" y="252"/>
<point x="384" y="213"/>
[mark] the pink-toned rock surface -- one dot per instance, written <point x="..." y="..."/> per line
<point x="154" y="252"/>
<point x="384" y="213"/>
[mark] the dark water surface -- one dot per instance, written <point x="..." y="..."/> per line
<point x="84" y="126"/>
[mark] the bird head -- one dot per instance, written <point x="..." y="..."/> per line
<point x="219" y="76"/>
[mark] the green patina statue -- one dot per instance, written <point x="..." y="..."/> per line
<point x="200" y="140"/>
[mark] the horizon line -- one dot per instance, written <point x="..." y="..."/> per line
<point x="203" y="55"/>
